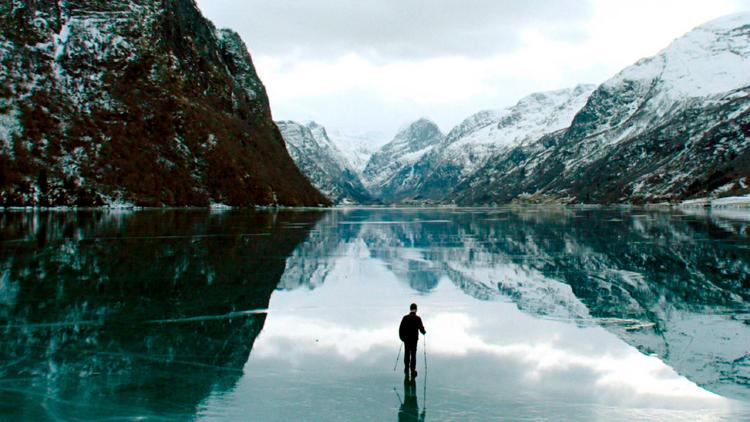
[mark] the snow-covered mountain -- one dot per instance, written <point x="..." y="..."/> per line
<point x="670" y="127"/>
<point x="391" y="169"/>
<point x="144" y="102"/>
<point x="357" y="147"/>
<point x="487" y="134"/>
<point x="323" y="163"/>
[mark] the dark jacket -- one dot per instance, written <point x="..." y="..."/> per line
<point x="410" y="327"/>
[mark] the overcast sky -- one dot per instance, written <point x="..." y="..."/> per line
<point x="374" y="65"/>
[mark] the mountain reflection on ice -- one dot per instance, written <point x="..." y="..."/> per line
<point x="105" y="314"/>
<point x="535" y="313"/>
<point x="530" y="313"/>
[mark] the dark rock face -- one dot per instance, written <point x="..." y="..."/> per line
<point x="142" y="102"/>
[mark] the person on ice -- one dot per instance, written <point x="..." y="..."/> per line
<point x="408" y="332"/>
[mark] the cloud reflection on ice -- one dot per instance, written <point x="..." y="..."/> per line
<point x="615" y="372"/>
<point x="533" y="315"/>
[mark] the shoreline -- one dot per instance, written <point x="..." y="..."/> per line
<point x="734" y="203"/>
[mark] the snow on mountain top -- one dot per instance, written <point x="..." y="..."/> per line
<point x="320" y="134"/>
<point x="483" y="134"/>
<point x="424" y="120"/>
<point x="732" y="21"/>
<point x="544" y="106"/>
<point x="294" y="133"/>
<point x="413" y="128"/>
<point x="554" y="98"/>
<point x="713" y="58"/>
<point x="472" y="123"/>
<point x="415" y="136"/>
<point x="357" y="147"/>
<point x="409" y="145"/>
<point x="322" y="162"/>
<point x="369" y="139"/>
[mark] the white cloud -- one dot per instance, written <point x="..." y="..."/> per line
<point x="388" y="29"/>
<point x="617" y="372"/>
<point x="377" y="65"/>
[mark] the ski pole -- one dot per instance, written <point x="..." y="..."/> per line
<point x="424" y="339"/>
<point x="424" y="388"/>
<point x="397" y="356"/>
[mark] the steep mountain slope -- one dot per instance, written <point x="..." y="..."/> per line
<point x="323" y="163"/>
<point x="670" y="127"/>
<point x="134" y="101"/>
<point x="357" y="147"/>
<point x="392" y="171"/>
<point x="488" y="134"/>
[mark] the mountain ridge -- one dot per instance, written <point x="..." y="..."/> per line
<point x="662" y="129"/>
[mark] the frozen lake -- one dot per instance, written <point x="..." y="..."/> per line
<point x="531" y="314"/>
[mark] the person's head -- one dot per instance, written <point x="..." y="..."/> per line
<point x="413" y="308"/>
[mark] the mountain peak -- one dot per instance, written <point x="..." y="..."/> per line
<point x="667" y="128"/>
<point x="419" y="124"/>
<point x="407" y="147"/>
<point x="418" y="132"/>
<point x="475" y="121"/>
<point x="555" y="96"/>
<point x="320" y="133"/>
<point x="533" y="115"/>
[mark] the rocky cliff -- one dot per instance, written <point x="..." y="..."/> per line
<point x="141" y="102"/>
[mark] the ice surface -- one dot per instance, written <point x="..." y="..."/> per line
<point x="613" y="314"/>
<point x="732" y="201"/>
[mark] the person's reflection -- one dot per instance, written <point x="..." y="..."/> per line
<point x="409" y="410"/>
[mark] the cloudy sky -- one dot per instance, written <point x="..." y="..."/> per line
<point x="362" y="66"/>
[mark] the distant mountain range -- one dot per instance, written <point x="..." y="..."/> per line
<point x="671" y="127"/>
<point x="135" y="102"/>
